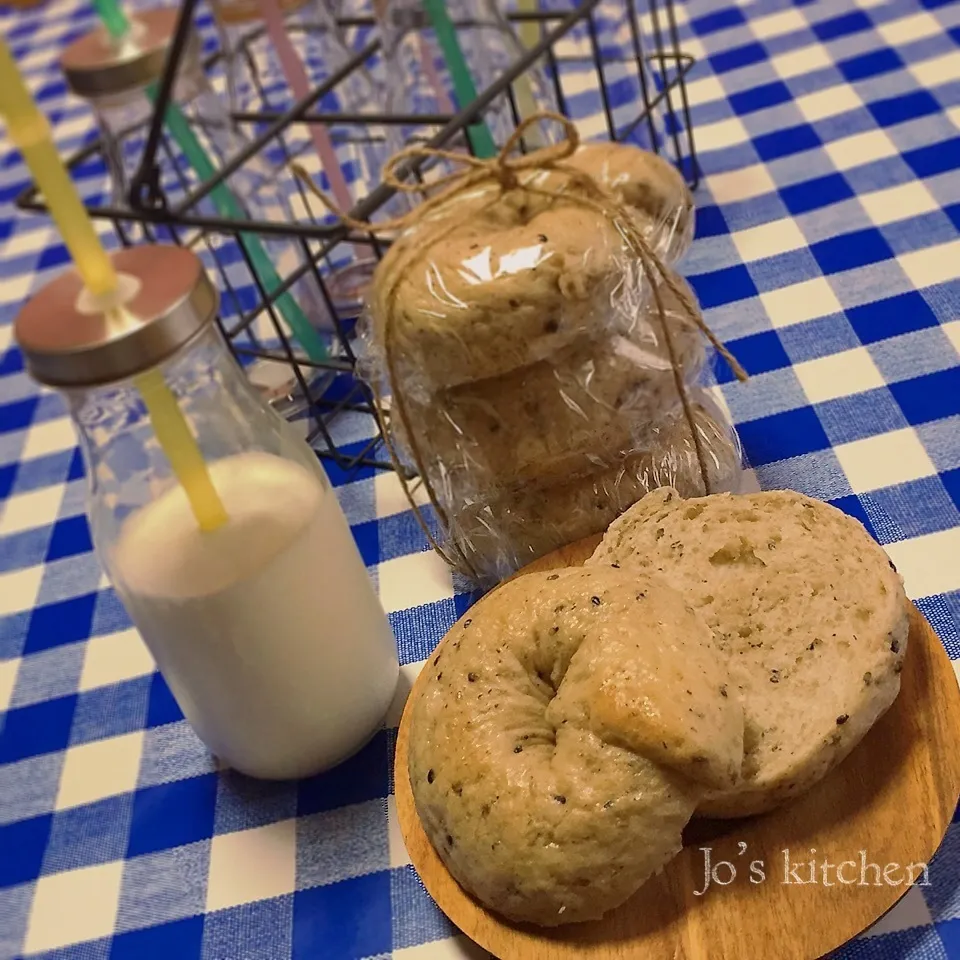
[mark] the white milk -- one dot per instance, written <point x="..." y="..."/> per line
<point x="268" y="630"/>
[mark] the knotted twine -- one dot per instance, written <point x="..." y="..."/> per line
<point x="504" y="171"/>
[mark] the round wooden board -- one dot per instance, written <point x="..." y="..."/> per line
<point x="893" y="798"/>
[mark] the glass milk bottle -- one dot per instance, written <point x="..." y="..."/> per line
<point x="267" y="629"/>
<point x="119" y="80"/>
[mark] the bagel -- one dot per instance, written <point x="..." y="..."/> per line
<point x="565" y="732"/>
<point x="498" y="531"/>
<point x="807" y="610"/>
<point x="650" y="186"/>
<point x="488" y="298"/>
<point x="559" y="416"/>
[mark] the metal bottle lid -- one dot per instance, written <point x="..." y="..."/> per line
<point x="96" y="65"/>
<point x="67" y="342"/>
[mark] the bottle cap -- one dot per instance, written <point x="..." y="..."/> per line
<point x="69" y="340"/>
<point x="97" y="65"/>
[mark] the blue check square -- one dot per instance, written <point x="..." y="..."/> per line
<point x="182" y="939"/>
<point x="362" y="777"/>
<point x="870" y="64"/>
<point x="782" y="435"/>
<point x="934" y="159"/>
<point x="346" y="919"/>
<point x="901" y="109"/>
<point x="891" y="317"/>
<point x="58" y="623"/>
<point x="931" y="397"/>
<point x="37" y="729"/>
<point x="417" y="918"/>
<point x="153" y="828"/>
<point x="782" y="143"/>
<point x="851" y="250"/>
<point x="842" y="26"/>
<point x="89" y="834"/>
<point x="70" y="537"/>
<point x="22" y="847"/>
<point x="814" y="194"/>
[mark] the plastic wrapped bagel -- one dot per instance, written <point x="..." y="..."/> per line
<point x="535" y="382"/>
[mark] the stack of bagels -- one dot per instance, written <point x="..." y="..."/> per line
<point x="539" y="396"/>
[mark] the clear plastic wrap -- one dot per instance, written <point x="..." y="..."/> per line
<point x="494" y="535"/>
<point x="535" y="383"/>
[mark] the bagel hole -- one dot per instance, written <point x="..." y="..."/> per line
<point x="545" y="678"/>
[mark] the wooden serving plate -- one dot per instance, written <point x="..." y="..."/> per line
<point x="893" y="798"/>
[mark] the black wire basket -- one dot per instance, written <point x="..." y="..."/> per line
<point x="319" y="392"/>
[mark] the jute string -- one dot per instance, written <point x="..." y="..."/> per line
<point x="503" y="171"/>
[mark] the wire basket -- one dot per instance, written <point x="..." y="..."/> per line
<point x="591" y="54"/>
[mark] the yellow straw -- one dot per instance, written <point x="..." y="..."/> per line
<point x="526" y="100"/>
<point x="29" y="131"/>
<point x="178" y="444"/>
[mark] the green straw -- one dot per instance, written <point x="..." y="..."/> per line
<point x="480" y="137"/>
<point x="118" y="26"/>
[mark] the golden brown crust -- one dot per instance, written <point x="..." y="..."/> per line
<point x="568" y="726"/>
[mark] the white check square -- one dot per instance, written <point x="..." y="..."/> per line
<point x="928" y="564"/>
<point x="25" y="511"/>
<point x="741" y="184"/>
<point x="932" y="264"/>
<point x="884" y="460"/>
<point x="101" y="768"/>
<point x="800" y="301"/>
<point x="861" y="148"/>
<point x="776" y="24"/>
<point x="453" y="948"/>
<point x="251" y="865"/>
<point x="389" y="496"/>
<point x="899" y="203"/>
<point x="705" y="90"/>
<point x="398" y="850"/>
<point x="74" y="906"/>
<point x="51" y="436"/>
<point x="769" y="239"/>
<point x="907" y="29"/>
<point x="17" y="288"/>
<point x="19" y="589"/>
<point x="938" y="71"/>
<point x="838" y="375"/>
<point x="408" y="674"/>
<point x="413" y="580"/>
<point x="723" y="133"/>
<point x="8" y="680"/>
<point x="829" y="102"/>
<point x="114" y="657"/>
<point x="952" y="330"/>
<point x="798" y="62"/>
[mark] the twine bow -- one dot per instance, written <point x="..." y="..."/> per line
<point x="506" y="171"/>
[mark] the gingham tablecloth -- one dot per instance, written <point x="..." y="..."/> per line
<point x="827" y="256"/>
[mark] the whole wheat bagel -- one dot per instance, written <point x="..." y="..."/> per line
<point x="650" y="186"/>
<point x="500" y="530"/>
<point x="498" y="292"/>
<point x="807" y="611"/>
<point x="567" y="728"/>
<point x="559" y="417"/>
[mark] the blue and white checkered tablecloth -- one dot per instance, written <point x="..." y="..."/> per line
<point x="827" y="257"/>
